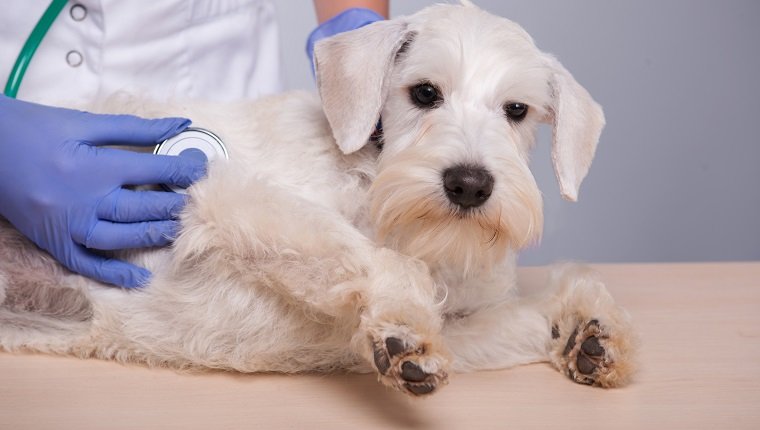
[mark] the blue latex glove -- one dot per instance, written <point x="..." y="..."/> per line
<point x="62" y="189"/>
<point x="349" y="19"/>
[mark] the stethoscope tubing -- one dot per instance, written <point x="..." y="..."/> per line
<point x="30" y="47"/>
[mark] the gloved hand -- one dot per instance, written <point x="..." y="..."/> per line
<point x="62" y="189"/>
<point x="348" y="20"/>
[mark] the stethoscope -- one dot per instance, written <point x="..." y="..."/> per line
<point x="194" y="142"/>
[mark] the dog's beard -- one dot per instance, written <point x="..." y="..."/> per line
<point x="412" y="215"/>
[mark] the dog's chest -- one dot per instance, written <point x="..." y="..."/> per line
<point x="322" y="177"/>
<point x="462" y="295"/>
<point x="287" y="142"/>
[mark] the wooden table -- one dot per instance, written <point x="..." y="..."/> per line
<point x="699" y="323"/>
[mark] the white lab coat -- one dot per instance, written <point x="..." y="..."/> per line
<point x="197" y="49"/>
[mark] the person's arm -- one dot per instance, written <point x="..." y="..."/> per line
<point x="327" y="9"/>
<point x="338" y="16"/>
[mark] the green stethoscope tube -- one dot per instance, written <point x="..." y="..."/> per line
<point x="31" y="45"/>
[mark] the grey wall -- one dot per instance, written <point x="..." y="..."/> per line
<point x="677" y="173"/>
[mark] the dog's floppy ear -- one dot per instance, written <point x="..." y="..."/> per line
<point x="578" y="121"/>
<point x="352" y="76"/>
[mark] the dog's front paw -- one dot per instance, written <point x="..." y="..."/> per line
<point x="409" y="366"/>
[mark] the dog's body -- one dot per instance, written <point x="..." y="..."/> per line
<point x="308" y="252"/>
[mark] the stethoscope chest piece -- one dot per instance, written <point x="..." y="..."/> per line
<point x="193" y="142"/>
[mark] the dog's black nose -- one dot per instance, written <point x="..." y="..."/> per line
<point x="467" y="186"/>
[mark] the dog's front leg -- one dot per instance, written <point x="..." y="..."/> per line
<point x="316" y="260"/>
<point x="400" y="324"/>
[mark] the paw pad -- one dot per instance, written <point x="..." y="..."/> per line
<point x="412" y="372"/>
<point x="589" y="355"/>
<point x="399" y="362"/>
<point x="585" y="362"/>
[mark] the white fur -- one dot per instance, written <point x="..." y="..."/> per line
<point x="308" y="252"/>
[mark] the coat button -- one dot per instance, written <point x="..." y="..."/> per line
<point x="78" y="12"/>
<point x="74" y="58"/>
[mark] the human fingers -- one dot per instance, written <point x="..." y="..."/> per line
<point x="130" y="130"/>
<point x="106" y="235"/>
<point x="129" y="206"/>
<point x="134" y="168"/>
<point x="107" y="270"/>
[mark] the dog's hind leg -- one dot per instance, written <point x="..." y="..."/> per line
<point x="576" y="326"/>
<point x="322" y="265"/>
<point x="32" y="330"/>
<point x="37" y="311"/>
<point x="498" y="336"/>
<point x="593" y="341"/>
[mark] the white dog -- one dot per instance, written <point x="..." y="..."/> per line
<point x="313" y="250"/>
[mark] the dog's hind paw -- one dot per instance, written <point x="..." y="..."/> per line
<point x="585" y="354"/>
<point x="593" y="355"/>
<point x="409" y="367"/>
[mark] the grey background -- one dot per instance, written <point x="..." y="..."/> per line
<point x="677" y="172"/>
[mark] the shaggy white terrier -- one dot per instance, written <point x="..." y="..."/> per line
<point x="312" y="250"/>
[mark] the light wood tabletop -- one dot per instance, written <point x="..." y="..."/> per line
<point x="700" y="369"/>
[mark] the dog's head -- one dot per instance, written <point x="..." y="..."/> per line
<point x="460" y="93"/>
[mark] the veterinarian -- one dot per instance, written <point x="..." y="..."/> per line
<point x="58" y="185"/>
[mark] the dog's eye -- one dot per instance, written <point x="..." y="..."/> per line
<point x="516" y="111"/>
<point x="425" y="95"/>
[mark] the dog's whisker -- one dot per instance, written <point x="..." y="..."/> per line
<point x="493" y="239"/>
<point x="424" y="215"/>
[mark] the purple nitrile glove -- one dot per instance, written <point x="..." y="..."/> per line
<point x="349" y="19"/>
<point x="63" y="190"/>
